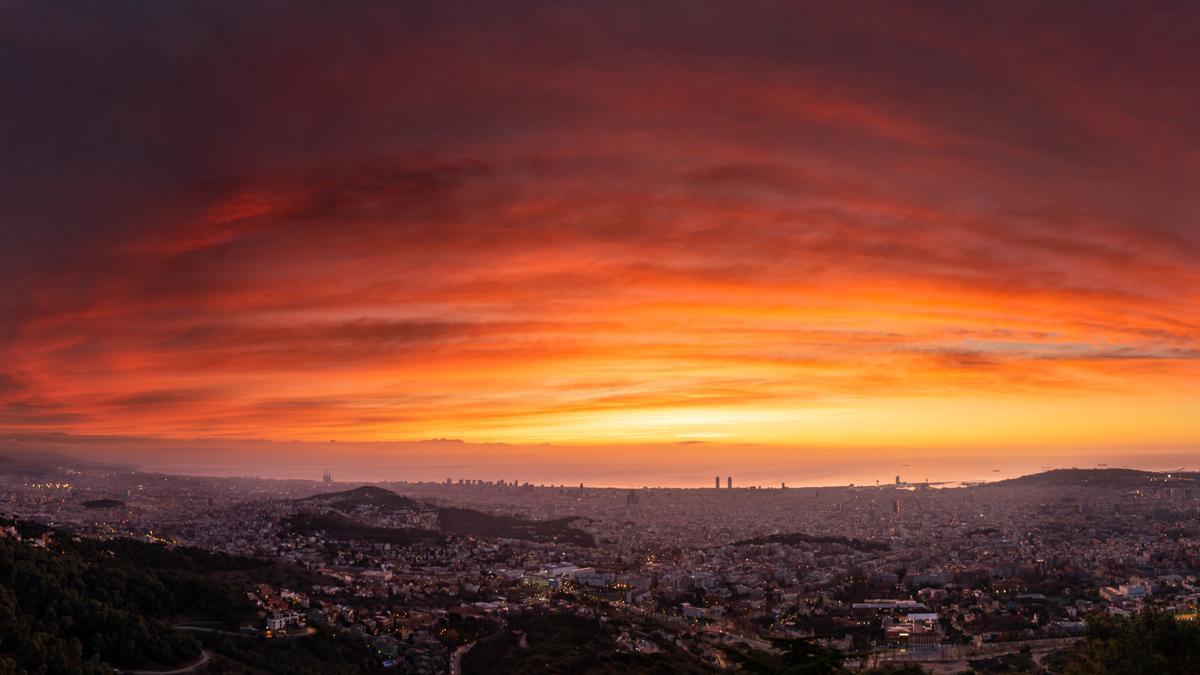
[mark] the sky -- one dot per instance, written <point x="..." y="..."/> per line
<point x="793" y="236"/>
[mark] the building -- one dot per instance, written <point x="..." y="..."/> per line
<point x="539" y="581"/>
<point x="729" y="482"/>
<point x="1124" y="592"/>
<point x="588" y="576"/>
<point x="718" y="482"/>
<point x="693" y="612"/>
<point x="886" y="606"/>
<point x="283" y="620"/>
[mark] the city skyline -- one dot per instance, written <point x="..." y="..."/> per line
<point x="686" y="465"/>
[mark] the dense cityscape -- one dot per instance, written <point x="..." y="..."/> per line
<point x="437" y="577"/>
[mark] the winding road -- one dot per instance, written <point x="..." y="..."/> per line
<point x="204" y="657"/>
<point x="456" y="658"/>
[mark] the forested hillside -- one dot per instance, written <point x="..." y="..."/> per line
<point x="71" y="604"/>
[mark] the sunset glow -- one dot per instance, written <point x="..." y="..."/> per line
<point x="598" y="226"/>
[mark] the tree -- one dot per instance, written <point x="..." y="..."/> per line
<point x="1151" y="642"/>
<point x="806" y="657"/>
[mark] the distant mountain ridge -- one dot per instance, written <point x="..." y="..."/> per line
<point x="1098" y="478"/>
<point x="22" y="461"/>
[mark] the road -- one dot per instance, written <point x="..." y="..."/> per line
<point x="456" y="658"/>
<point x="204" y="657"/>
<point x="245" y="632"/>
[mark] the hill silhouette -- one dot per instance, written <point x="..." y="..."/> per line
<point x="451" y="520"/>
<point x="367" y="495"/>
<point x="1096" y="478"/>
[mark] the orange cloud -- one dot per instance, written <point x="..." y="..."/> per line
<point x="781" y="230"/>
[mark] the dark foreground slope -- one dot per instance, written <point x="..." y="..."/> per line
<point x="68" y="604"/>
<point x="1148" y="643"/>
<point x="71" y="605"/>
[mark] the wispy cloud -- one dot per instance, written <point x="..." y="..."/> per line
<point x="643" y="223"/>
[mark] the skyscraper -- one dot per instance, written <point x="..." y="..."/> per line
<point x="729" y="482"/>
<point x="718" y="482"/>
